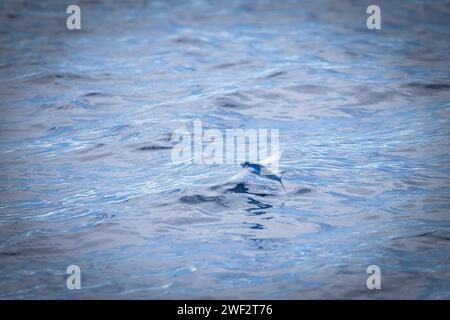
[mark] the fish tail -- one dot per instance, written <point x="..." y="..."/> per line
<point x="282" y="185"/>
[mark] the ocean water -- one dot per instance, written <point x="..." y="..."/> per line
<point x="87" y="178"/>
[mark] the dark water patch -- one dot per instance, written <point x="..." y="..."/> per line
<point x="118" y="129"/>
<point x="235" y="100"/>
<point x="95" y="157"/>
<point x="66" y="107"/>
<point x="198" y="198"/>
<point x="436" y="235"/>
<point x="95" y="94"/>
<point x="275" y="74"/>
<point x="53" y="129"/>
<point x="49" y="78"/>
<point x="242" y="188"/>
<point x="302" y="191"/>
<point x="357" y="112"/>
<point x="10" y="253"/>
<point x="414" y="183"/>
<point x="309" y="88"/>
<point x="75" y="104"/>
<point x="154" y="90"/>
<point x="438" y="86"/>
<point x="256" y="226"/>
<point x="92" y="148"/>
<point x="229" y="65"/>
<point x="262" y="171"/>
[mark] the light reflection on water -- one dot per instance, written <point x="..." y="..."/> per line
<point x="87" y="178"/>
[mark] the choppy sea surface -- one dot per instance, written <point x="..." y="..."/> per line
<point x="86" y="175"/>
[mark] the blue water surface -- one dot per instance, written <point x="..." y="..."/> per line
<point x="87" y="178"/>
